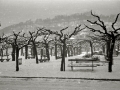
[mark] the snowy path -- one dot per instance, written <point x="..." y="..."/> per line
<point x="56" y="84"/>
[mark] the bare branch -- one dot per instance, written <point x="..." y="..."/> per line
<point x="61" y="31"/>
<point x="28" y="40"/>
<point x="46" y="37"/>
<point x="113" y="24"/>
<point x="94" y="30"/>
<point x="102" y="25"/>
<point x="98" y="19"/>
<point x="77" y="29"/>
<point x="39" y="30"/>
<point x="95" y="22"/>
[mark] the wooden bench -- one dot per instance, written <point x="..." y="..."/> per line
<point x="87" y="63"/>
<point x="43" y="60"/>
<point x="5" y="59"/>
<point x="59" y="57"/>
<point x="30" y="57"/>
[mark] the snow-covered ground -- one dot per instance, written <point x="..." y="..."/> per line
<point x="56" y="84"/>
<point x="29" y="68"/>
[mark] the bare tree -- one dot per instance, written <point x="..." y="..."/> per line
<point x="63" y="38"/>
<point x="1" y="46"/>
<point x="112" y="35"/>
<point x="45" y="42"/>
<point x="34" y="36"/>
<point x="93" y="39"/>
<point x="9" y="41"/>
<point x="103" y="40"/>
<point x="19" y="41"/>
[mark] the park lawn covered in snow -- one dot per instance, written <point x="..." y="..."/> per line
<point x="29" y="68"/>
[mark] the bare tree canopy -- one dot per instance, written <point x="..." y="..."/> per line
<point x="110" y="36"/>
<point x="101" y="23"/>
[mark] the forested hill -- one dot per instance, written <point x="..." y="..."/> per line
<point x="56" y="23"/>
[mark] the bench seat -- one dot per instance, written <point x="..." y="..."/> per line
<point x="82" y="65"/>
<point x="43" y="60"/>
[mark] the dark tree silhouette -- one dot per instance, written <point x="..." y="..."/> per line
<point x="93" y="39"/>
<point x="55" y="48"/>
<point x="112" y="35"/>
<point x="45" y="43"/>
<point x="9" y="41"/>
<point x="19" y="41"/>
<point x="63" y="38"/>
<point x="34" y="36"/>
<point x="2" y="46"/>
<point x="57" y="45"/>
<point x="103" y="40"/>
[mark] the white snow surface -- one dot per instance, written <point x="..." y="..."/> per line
<point x="29" y="68"/>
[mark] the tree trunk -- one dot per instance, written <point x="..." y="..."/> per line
<point x="47" y="51"/>
<point x="17" y="56"/>
<point x="55" y="51"/>
<point x="26" y="51"/>
<point x="117" y="49"/>
<point x="66" y="52"/>
<point x="51" y="51"/>
<point x="76" y="49"/>
<point x="41" y="53"/>
<point x="72" y="50"/>
<point x="103" y="48"/>
<point x="91" y="48"/>
<point x="110" y="58"/>
<point x="1" y="53"/>
<point x="13" y="52"/>
<point x="68" y="49"/>
<point x="35" y="51"/>
<point x="79" y="50"/>
<point x="22" y="52"/>
<point x="7" y="52"/>
<point x="108" y="49"/>
<point x="61" y="50"/>
<point x="63" y="58"/>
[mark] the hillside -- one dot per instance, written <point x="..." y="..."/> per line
<point x="56" y="23"/>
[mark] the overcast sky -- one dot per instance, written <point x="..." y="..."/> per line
<point x="15" y="11"/>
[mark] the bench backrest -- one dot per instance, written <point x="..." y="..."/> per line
<point x="81" y="60"/>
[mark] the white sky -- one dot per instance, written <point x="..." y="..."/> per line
<point x="15" y="11"/>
